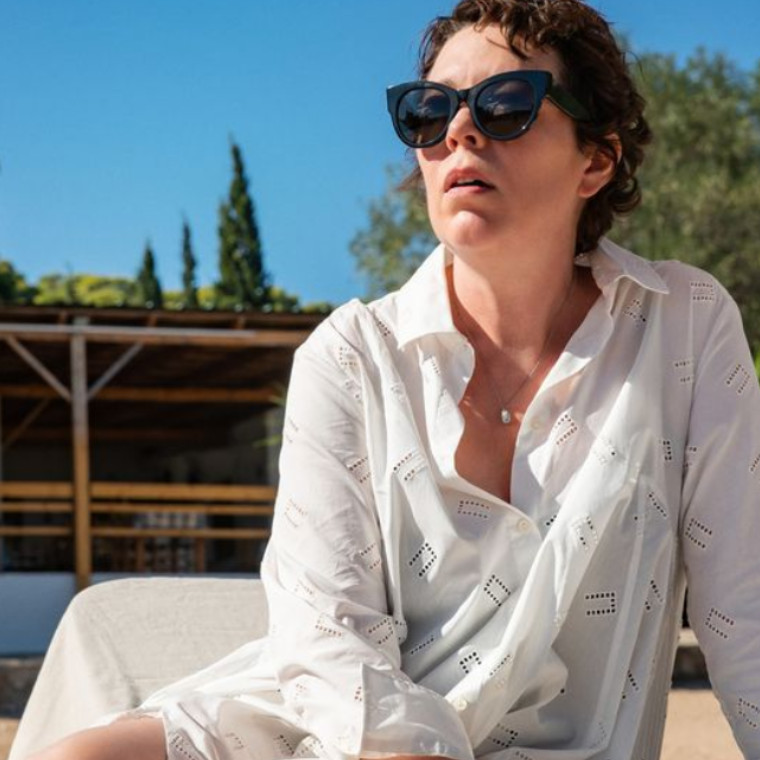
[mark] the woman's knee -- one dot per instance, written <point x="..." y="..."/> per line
<point x="128" y="739"/>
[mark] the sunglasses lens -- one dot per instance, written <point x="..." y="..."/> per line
<point x="504" y="108"/>
<point x="422" y="115"/>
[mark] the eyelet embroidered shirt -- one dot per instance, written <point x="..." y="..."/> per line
<point x="413" y="613"/>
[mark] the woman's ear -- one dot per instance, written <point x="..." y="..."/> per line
<point x="601" y="166"/>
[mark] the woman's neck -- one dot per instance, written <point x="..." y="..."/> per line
<point x="510" y="300"/>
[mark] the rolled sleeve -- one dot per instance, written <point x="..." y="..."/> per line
<point x="333" y="641"/>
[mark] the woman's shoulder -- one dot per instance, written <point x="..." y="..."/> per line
<point x="698" y="299"/>
<point x="684" y="286"/>
<point x="686" y="279"/>
<point x="683" y="303"/>
<point x="694" y="307"/>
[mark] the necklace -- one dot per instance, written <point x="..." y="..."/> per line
<point x="505" y="415"/>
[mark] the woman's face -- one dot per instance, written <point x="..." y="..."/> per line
<point x="535" y="184"/>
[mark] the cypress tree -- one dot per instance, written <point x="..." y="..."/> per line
<point x="243" y="282"/>
<point x="148" y="286"/>
<point x="189" y="288"/>
<point x="228" y="292"/>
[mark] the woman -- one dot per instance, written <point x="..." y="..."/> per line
<point x="496" y="481"/>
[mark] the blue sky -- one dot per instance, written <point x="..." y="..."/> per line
<point x="115" y="121"/>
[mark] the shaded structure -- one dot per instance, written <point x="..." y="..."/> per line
<point x="129" y="427"/>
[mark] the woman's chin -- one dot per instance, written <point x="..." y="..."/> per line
<point x="468" y="231"/>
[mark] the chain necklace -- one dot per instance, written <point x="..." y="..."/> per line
<point x="505" y="415"/>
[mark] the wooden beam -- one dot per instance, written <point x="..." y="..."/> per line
<point x="118" y="507"/>
<point x="81" y="462"/>
<point x="156" y="336"/>
<point x="191" y="395"/>
<point x="114" y="370"/>
<point x="24" y="531"/>
<point x="32" y="507"/>
<point x="181" y="491"/>
<point x="26" y="423"/>
<point x="127" y="314"/>
<point x="38" y="367"/>
<point x="160" y="395"/>
<point x="32" y="489"/>
<point x="193" y="434"/>
<point x="226" y="533"/>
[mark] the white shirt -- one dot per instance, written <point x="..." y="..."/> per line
<point x="414" y="613"/>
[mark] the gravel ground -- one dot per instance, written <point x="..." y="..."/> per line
<point x="7" y="732"/>
<point x="695" y="729"/>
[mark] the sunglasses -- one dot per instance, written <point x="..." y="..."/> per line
<point x="503" y="106"/>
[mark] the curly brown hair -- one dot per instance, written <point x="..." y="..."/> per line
<point x="594" y="69"/>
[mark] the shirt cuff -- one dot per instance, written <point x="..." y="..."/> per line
<point x="403" y="718"/>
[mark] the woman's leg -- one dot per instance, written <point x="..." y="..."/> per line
<point x="127" y="739"/>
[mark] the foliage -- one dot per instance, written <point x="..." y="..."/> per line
<point x="85" y="290"/>
<point x="281" y="301"/>
<point x="397" y="237"/>
<point x="207" y="296"/>
<point x="148" y="286"/>
<point x="317" y="307"/>
<point x="189" y="288"/>
<point x="243" y="283"/>
<point x="701" y="179"/>
<point x="13" y="286"/>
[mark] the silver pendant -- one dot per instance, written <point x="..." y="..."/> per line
<point x="506" y="417"/>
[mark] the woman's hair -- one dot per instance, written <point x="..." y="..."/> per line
<point x="594" y="69"/>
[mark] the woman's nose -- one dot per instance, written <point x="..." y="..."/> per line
<point x="462" y="130"/>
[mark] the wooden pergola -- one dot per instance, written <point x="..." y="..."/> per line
<point x="104" y="375"/>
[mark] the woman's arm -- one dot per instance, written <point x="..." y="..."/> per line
<point x="720" y="523"/>
<point x="333" y="639"/>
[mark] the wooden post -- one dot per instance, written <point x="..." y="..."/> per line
<point x="81" y="462"/>
<point x="2" y="478"/>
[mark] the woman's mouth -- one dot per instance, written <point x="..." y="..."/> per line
<point x="465" y="181"/>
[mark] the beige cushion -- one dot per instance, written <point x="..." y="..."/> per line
<point x="121" y="640"/>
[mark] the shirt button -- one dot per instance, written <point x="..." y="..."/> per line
<point x="460" y="704"/>
<point x="523" y="526"/>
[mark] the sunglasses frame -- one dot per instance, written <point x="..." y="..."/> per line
<point x="542" y="83"/>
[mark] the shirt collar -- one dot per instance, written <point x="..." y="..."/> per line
<point x="609" y="263"/>
<point x="424" y="307"/>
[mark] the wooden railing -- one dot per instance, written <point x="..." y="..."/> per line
<point x="125" y="499"/>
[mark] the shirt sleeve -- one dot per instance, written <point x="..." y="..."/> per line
<point x="720" y="524"/>
<point x="333" y="643"/>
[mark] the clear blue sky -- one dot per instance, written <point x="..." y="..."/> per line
<point x="115" y="119"/>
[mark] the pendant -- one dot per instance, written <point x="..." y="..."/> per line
<point x="506" y="417"/>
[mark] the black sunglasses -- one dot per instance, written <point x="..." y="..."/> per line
<point x="503" y="106"/>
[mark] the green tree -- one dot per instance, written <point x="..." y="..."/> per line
<point x="13" y="287"/>
<point x="243" y="282"/>
<point x="189" y="287"/>
<point x="701" y="178"/>
<point x="397" y="237"/>
<point x="148" y="285"/>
